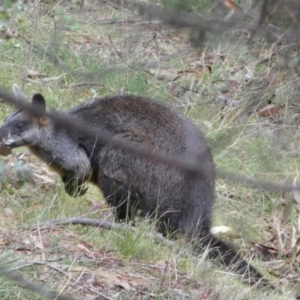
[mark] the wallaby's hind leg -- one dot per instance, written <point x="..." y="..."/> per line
<point x="120" y="197"/>
<point x="121" y="172"/>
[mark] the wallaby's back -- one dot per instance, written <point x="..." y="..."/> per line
<point x="178" y="200"/>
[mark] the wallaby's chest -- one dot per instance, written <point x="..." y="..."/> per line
<point x="53" y="162"/>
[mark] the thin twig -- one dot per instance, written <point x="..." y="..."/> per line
<point x="34" y="263"/>
<point x="82" y="84"/>
<point x="101" y="224"/>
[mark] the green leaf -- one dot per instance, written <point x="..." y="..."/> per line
<point x="4" y="19"/>
<point x="7" y="4"/>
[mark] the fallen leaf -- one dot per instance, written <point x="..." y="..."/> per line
<point x="268" y="111"/>
<point x="8" y="212"/>
<point x="35" y="74"/>
<point x="208" y="125"/>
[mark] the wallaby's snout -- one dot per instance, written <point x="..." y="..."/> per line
<point x="18" y="130"/>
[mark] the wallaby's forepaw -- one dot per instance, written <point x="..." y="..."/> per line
<point x="4" y="150"/>
<point x="73" y="188"/>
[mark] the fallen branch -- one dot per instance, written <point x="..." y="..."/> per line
<point x="101" y="224"/>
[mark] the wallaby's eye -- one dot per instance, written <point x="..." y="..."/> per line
<point x="20" y="125"/>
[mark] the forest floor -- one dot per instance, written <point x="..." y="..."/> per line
<point x="239" y="94"/>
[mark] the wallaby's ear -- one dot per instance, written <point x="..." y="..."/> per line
<point x="18" y="92"/>
<point x="39" y="105"/>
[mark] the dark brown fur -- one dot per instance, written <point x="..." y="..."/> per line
<point x="179" y="201"/>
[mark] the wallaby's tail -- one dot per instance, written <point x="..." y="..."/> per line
<point x="230" y="258"/>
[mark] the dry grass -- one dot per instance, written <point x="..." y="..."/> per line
<point x="70" y="54"/>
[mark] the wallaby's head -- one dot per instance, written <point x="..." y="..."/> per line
<point x="22" y="128"/>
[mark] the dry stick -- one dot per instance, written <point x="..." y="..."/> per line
<point x="21" y="281"/>
<point x="190" y="166"/>
<point x="244" y="180"/>
<point x="37" y="263"/>
<point x="81" y="84"/>
<point x="101" y="224"/>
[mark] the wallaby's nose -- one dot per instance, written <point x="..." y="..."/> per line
<point x="4" y="149"/>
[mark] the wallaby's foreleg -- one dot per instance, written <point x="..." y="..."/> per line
<point x="73" y="186"/>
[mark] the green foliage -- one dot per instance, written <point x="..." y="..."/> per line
<point x="99" y="62"/>
<point x="135" y="244"/>
<point x="6" y="4"/>
<point x="4" y="19"/>
<point x="14" y="174"/>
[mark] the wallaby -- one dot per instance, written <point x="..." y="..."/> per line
<point x="179" y="201"/>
